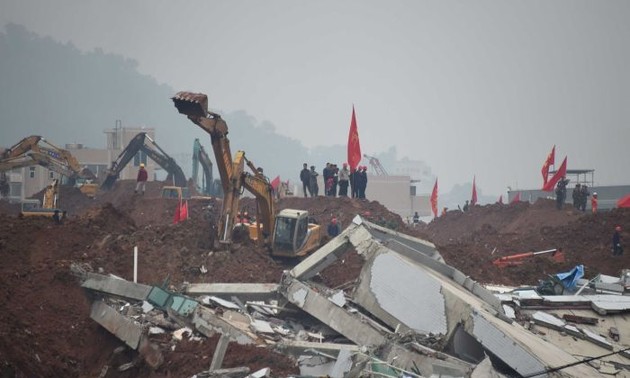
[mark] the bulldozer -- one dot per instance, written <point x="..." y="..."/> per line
<point x="288" y="233"/>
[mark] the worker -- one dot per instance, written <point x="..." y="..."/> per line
<point x="141" y="180"/>
<point x="466" y="206"/>
<point x="56" y="217"/>
<point x="416" y="218"/>
<point x="584" y="193"/>
<point x="305" y="177"/>
<point x="444" y="210"/>
<point x="576" y="196"/>
<point x="344" y="180"/>
<point x="617" y="249"/>
<point x="362" y="182"/>
<point x="313" y="182"/>
<point x="594" y="201"/>
<point x="333" y="228"/>
<point x="561" y="192"/>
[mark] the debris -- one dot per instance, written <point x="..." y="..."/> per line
<point x="579" y="319"/>
<point x="180" y="333"/>
<point x="613" y="332"/>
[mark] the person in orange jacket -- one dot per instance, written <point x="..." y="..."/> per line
<point x="594" y="202"/>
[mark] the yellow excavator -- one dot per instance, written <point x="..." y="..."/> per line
<point x="35" y="150"/>
<point x="48" y="206"/>
<point x="288" y="233"/>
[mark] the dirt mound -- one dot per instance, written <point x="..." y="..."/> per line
<point x="471" y="241"/>
<point x="45" y="328"/>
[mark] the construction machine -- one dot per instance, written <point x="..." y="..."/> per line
<point x="48" y="206"/>
<point x="209" y="186"/>
<point x="287" y="234"/>
<point x="556" y="255"/>
<point x="35" y="150"/>
<point x="376" y="165"/>
<point x="143" y="142"/>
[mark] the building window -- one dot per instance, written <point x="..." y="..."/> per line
<point x="31" y="172"/>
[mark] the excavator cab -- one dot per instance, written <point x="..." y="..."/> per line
<point x="293" y="235"/>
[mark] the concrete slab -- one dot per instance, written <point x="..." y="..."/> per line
<point x="597" y="339"/>
<point x="125" y="329"/>
<point x="219" y="352"/>
<point x="399" y="292"/>
<point x="116" y="287"/>
<point x="208" y="324"/>
<point x="548" y="320"/>
<point x="297" y="348"/>
<point x="317" y="305"/>
<point x="243" y="291"/>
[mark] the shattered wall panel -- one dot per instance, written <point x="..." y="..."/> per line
<point x="505" y="348"/>
<point x="397" y="291"/>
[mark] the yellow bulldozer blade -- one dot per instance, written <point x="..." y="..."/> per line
<point x="191" y="104"/>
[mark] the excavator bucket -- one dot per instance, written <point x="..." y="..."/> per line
<point x="191" y="104"/>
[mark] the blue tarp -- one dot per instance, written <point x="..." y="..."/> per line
<point x="569" y="279"/>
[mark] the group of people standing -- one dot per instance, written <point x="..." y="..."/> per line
<point x="336" y="181"/>
<point x="580" y="197"/>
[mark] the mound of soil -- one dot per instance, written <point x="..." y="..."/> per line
<point x="44" y="316"/>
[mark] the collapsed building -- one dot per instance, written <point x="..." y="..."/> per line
<point x="406" y="314"/>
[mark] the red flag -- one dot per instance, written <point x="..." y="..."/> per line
<point x="500" y="201"/>
<point x="354" y="148"/>
<point x="560" y="173"/>
<point x="473" y="200"/>
<point x="551" y="160"/>
<point x="434" y="199"/>
<point x="275" y="183"/>
<point x="177" y="217"/>
<point x="624" y="201"/>
<point x="183" y="211"/>
<point x="516" y="198"/>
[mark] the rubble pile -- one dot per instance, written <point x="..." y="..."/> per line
<point x="45" y="318"/>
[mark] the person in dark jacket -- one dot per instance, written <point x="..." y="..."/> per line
<point x="141" y="180"/>
<point x="362" y="181"/>
<point x="561" y="192"/>
<point x="305" y="177"/>
<point x="313" y="182"/>
<point x="617" y="248"/>
<point x="333" y="228"/>
<point x="576" y="196"/>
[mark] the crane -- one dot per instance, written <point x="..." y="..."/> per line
<point x="143" y="142"/>
<point x="376" y="165"/>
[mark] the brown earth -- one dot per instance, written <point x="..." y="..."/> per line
<point x="45" y="328"/>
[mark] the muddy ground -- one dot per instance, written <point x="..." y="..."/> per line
<point x="45" y="328"/>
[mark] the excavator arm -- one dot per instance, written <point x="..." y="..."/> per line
<point x="233" y="176"/>
<point x="153" y="151"/>
<point x="21" y="147"/>
<point x="200" y="157"/>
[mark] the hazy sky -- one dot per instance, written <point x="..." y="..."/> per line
<point x="470" y="87"/>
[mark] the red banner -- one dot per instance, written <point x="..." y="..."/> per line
<point x="551" y="160"/>
<point x="354" y="148"/>
<point x="473" y="200"/>
<point x="434" y="199"/>
<point x="551" y="183"/>
<point x="275" y="183"/>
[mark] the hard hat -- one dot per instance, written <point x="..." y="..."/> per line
<point x="594" y="193"/>
<point x="618" y="228"/>
<point x="141" y="165"/>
